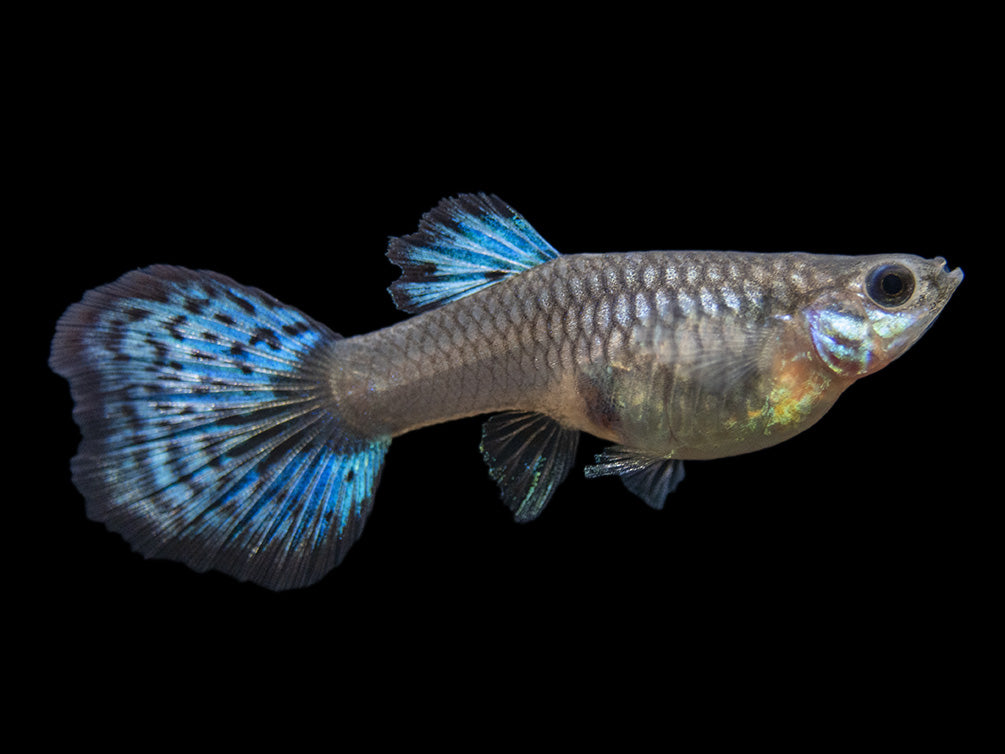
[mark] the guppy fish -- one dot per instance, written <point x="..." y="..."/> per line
<point x="229" y="431"/>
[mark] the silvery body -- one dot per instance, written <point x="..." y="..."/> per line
<point x="693" y="354"/>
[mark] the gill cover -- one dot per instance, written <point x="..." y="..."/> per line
<point x="889" y="303"/>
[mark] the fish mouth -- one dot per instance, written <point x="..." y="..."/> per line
<point x="954" y="276"/>
<point x="946" y="279"/>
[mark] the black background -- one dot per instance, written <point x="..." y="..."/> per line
<point x="862" y="543"/>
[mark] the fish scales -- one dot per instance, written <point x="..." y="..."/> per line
<point x="229" y="431"/>
<point x="505" y="349"/>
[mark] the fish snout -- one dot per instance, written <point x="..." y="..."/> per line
<point x="954" y="275"/>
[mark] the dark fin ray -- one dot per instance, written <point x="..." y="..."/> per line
<point x="650" y="478"/>
<point x="463" y="245"/>
<point x="209" y="434"/>
<point x="528" y="455"/>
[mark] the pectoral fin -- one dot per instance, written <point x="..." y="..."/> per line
<point x="528" y="455"/>
<point x="719" y="353"/>
<point x="652" y="478"/>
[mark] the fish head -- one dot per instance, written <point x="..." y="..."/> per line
<point x="877" y="308"/>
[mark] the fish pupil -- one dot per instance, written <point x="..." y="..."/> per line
<point x="890" y="285"/>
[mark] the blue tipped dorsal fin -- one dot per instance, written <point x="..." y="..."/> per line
<point x="528" y="455"/>
<point x="651" y="478"/>
<point x="464" y="244"/>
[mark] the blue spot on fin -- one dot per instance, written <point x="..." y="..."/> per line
<point x="650" y="478"/>
<point x="209" y="432"/>
<point x="464" y="244"/>
<point x="528" y="455"/>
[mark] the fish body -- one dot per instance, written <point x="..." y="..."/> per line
<point x="698" y="354"/>
<point x="227" y="430"/>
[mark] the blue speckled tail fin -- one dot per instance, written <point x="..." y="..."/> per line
<point x="209" y="432"/>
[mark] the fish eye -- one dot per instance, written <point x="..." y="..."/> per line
<point x="890" y="284"/>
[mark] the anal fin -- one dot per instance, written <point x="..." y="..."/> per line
<point x="529" y="455"/>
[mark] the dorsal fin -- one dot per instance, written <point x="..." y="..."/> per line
<point x="463" y="244"/>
